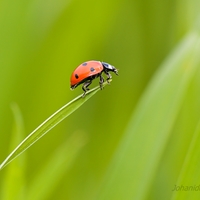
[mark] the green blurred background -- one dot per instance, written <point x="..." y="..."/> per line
<point x="41" y="42"/>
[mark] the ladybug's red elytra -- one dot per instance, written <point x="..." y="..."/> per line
<point x="88" y="71"/>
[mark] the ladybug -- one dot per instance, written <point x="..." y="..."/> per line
<point x="88" y="71"/>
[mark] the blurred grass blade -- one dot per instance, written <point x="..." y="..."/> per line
<point x="46" y="181"/>
<point x="48" y="124"/>
<point x="189" y="177"/>
<point x="134" y="165"/>
<point x="11" y="190"/>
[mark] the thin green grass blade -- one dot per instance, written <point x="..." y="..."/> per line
<point x="187" y="186"/>
<point x="49" y="123"/>
<point x="52" y="172"/>
<point x="134" y="165"/>
<point x="11" y="190"/>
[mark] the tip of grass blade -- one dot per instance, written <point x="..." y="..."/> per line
<point x="49" y="123"/>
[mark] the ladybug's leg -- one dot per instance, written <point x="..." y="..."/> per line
<point x="85" y="86"/>
<point x="101" y="81"/>
<point x="108" y="75"/>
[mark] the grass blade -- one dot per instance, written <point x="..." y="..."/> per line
<point x="11" y="190"/>
<point x="48" y="124"/>
<point x="136" y="160"/>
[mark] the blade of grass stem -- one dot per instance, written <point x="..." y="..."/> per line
<point x="49" y="123"/>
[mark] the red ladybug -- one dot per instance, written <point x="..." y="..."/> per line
<point x="88" y="71"/>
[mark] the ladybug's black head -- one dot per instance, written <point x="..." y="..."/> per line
<point x="108" y="67"/>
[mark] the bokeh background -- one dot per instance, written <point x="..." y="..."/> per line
<point x="41" y="42"/>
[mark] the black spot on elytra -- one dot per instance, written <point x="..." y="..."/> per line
<point x="92" y="69"/>
<point x="84" y="64"/>
<point x="76" y="76"/>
